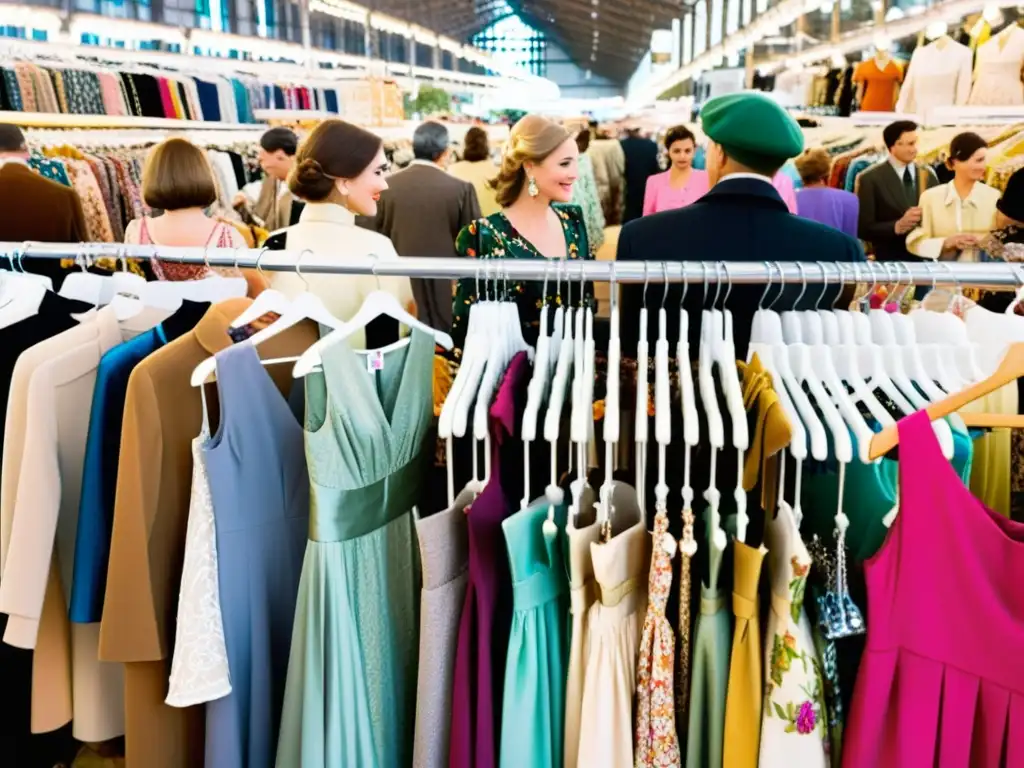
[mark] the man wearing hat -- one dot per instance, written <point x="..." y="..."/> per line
<point x="741" y="219"/>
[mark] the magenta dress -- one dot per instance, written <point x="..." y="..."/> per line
<point x="487" y="614"/>
<point x="942" y="679"/>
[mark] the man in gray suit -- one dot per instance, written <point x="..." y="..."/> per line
<point x="423" y="210"/>
<point x="889" y="194"/>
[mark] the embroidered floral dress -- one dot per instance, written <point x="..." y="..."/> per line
<point x="494" y="237"/>
<point x="657" y="745"/>
<point x="794" y="725"/>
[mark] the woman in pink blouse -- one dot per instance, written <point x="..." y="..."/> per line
<point x="681" y="184"/>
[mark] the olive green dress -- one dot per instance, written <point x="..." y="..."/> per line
<point x="350" y="697"/>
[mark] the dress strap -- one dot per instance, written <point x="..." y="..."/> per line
<point x="144" y="237"/>
<point x="921" y="463"/>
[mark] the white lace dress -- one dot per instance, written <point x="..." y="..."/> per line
<point x="997" y="71"/>
<point x="199" y="667"/>
<point x="794" y="730"/>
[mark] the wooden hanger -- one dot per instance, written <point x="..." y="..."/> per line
<point x="1011" y="369"/>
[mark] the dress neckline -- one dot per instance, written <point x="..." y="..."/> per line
<point x="515" y="234"/>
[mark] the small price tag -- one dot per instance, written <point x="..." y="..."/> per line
<point x="375" y="361"/>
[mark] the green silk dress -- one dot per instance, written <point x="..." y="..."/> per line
<point x="350" y="696"/>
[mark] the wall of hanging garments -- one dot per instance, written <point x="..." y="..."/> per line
<point x="81" y="87"/>
<point x="351" y="558"/>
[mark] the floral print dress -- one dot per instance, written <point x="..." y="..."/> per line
<point x="494" y="237"/>
<point x="794" y="724"/>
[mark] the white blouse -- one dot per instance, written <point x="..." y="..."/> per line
<point x="939" y="76"/>
<point x="199" y="667"/>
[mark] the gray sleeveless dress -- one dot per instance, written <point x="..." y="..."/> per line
<point x="260" y="491"/>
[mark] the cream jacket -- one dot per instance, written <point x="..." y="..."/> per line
<point x="944" y="214"/>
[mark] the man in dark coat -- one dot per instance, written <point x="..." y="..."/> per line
<point x="641" y="163"/>
<point x="742" y="219"/>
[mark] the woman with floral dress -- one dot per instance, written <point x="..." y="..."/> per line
<point x="533" y="187"/>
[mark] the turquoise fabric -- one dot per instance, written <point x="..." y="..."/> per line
<point x="533" y="712"/>
<point x="350" y="696"/>
<point x="712" y="649"/>
<point x="869" y="494"/>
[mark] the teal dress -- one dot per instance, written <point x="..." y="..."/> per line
<point x="709" y="679"/>
<point x="350" y="696"/>
<point x="533" y="711"/>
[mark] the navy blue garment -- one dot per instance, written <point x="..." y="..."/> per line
<point x="739" y="220"/>
<point x="259" y="484"/>
<point x="209" y="100"/>
<point x="332" y="101"/>
<point x="279" y="101"/>
<point x="102" y="451"/>
<point x="641" y="163"/>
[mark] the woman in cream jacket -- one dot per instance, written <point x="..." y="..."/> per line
<point x="339" y="172"/>
<point x="955" y="216"/>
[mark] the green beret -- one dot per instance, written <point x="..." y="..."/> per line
<point x="752" y="129"/>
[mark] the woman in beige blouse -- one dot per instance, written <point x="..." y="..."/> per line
<point x="955" y="216"/>
<point x="478" y="169"/>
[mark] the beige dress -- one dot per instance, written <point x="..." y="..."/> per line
<point x="582" y="533"/>
<point x="621" y="566"/>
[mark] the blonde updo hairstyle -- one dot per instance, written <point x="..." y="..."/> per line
<point x="532" y="140"/>
<point x="333" y="150"/>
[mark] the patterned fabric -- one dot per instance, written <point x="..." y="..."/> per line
<point x="220" y="237"/>
<point x="97" y="222"/>
<point x="656" y="742"/>
<point x="687" y="549"/>
<point x="494" y="237"/>
<point x="49" y="169"/>
<point x="586" y="196"/>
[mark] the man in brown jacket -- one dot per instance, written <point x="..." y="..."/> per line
<point x="35" y="208"/>
<point x="270" y="201"/>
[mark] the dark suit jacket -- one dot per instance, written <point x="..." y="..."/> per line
<point x="38" y="209"/>
<point x="883" y="201"/>
<point x="739" y="220"/>
<point x="641" y="163"/>
<point x="422" y="211"/>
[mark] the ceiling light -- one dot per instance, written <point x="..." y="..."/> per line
<point x="593" y="14"/>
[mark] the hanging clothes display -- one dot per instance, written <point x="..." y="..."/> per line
<point x="998" y="70"/>
<point x="939" y="75"/>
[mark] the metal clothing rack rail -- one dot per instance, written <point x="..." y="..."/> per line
<point x="945" y="274"/>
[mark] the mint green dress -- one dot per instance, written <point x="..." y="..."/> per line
<point x="350" y="696"/>
<point x="533" y="711"/>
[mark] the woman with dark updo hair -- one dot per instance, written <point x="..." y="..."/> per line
<point x="340" y="174"/>
<point x="955" y="216"/>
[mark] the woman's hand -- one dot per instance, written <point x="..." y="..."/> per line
<point x="957" y="243"/>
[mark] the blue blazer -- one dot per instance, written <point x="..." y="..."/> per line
<point x="739" y="220"/>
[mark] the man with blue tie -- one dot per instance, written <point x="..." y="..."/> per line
<point x="742" y="219"/>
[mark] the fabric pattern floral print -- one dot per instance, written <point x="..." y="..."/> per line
<point x="657" y="745"/>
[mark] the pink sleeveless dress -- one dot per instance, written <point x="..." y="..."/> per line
<point x="220" y="237"/>
<point x="942" y="679"/>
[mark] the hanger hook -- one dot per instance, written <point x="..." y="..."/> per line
<point x="647" y="279"/>
<point x="80" y="259"/>
<point x="767" y="285"/>
<point x="782" y="284"/>
<point x="803" y="287"/>
<point x="664" y="272"/>
<point x="704" y="280"/>
<point x="206" y="258"/>
<point x="237" y="250"/>
<point x="583" y="280"/>
<point x="718" y="287"/>
<point x="824" y="288"/>
<point x="544" y="288"/>
<point x="21" y="256"/>
<point x="686" y="283"/>
<point x="612" y="288"/>
<point x="842" y="284"/>
<point x="298" y="266"/>
<point x="728" y="284"/>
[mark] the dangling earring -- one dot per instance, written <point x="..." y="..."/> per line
<point x="531" y="187"/>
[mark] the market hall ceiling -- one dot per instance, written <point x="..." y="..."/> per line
<point x="623" y="27"/>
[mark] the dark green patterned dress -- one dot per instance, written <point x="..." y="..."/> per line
<point x="494" y="237"/>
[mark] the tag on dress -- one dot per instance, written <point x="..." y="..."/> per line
<point x="375" y="361"/>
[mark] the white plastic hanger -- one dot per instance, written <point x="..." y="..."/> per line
<point x="536" y="392"/>
<point x="20" y="292"/>
<point x="269" y="300"/>
<point x="640" y="422"/>
<point x="716" y="429"/>
<point x="691" y="421"/>
<point x="662" y="414"/>
<point x="612" y="410"/>
<point x="725" y="359"/>
<point x="376" y="304"/>
<point x="306" y="306"/>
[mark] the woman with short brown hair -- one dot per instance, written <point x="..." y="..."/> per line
<point x="819" y="202"/>
<point x="177" y="181"/>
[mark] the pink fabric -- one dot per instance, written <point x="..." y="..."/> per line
<point x="942" y="679"/>
<point x="165" y="97"/>
<point x="659" y="195"/>
<point x="784" y="186"/>
<point x="113" y="100"/>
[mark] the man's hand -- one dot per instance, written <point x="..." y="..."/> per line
<point x="909" y="220"/>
